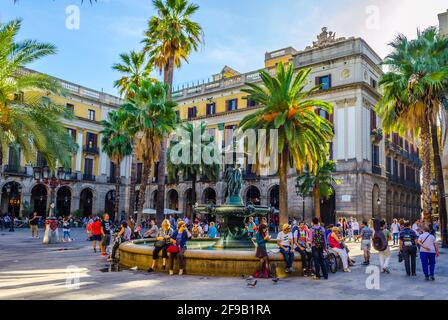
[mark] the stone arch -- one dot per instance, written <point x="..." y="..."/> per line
<point x="252" y="194"/>
<point x="63" y="200"/>
<point x="273" y="195"/>
<point x="188" y="202"/>
<point x="11" y="197"/>
<point x="86" y="201"/>
<point x="209" y="195"/>
<point x="172" y="199"/>
<point x="39" y="199"/>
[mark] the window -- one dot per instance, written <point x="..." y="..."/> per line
<point x="376" y="155"/>
<point x="72" y="133"/>
<point x="139" y="173"/>
<point x="324" y="82"/>
<point x="395" y="168"/>
<point x="88" y="167"/>
<point x="373" y="83"/>
<point x="70" y="107"/>
<point x="232" y="105"/>
<point x="40" y="160"/>
<point x="192" y="112"/>
<point x="210" y="109"/>
<point x="388" y="165"/>
<point x="251" y="103"/>
<point x="91" y="140"/>
<point x="14" y="156"/>
<point x="112" y="172"/>
<point x="373" y="124"/>
<point x="91" y="115"/>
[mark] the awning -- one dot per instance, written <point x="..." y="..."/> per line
<point x="150" y="211"/>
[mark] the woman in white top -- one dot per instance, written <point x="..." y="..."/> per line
<point x="395" y="230"/>
<point x="429" y="250"/>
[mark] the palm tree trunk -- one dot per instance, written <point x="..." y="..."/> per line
<point x="117" y="191"/>
<point x="142" y="192"/>
<point x="440" y="183"/>
<point x="283" y="189"/>
<point x="160" y="208"/>
<point x="131" y="209"/>
<point x="193" y="197"/>
<point x="425" y="138"/>
<point x="316" y="197"/>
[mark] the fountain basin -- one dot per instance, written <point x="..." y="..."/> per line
<point x="206" y="261"/>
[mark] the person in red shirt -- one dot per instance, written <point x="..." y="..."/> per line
<point x="335" y="242"/>
<point x="96" y="232"/>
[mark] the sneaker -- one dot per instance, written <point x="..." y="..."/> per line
<point x="287" y="270"/>
<point x="150" y="270"/>
<point x="414" y="274"/>
<point x="387" y="270"/>
<point x="347" y="270"/>
<point x="427" y="278"/>
<point x="432" y="278"/>
<point x="104" y="254"/>
<point x="365" y="263"/>
<point x="171" y="272"/>
<point x="94" y="250"/>
<point x="181" y="272"/>
<point x="316" y="278"/>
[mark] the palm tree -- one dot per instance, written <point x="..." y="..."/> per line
<point x="150" y="115"/>
<point x="289" y="108"/>
<point x="319" y="184"/>
<point x="189" y="168"/>
<point x="32" y="124"/>
<point x="117" y="143"/>
<point x="134" y="68"/>
<point x="411" y="99"/>
<point x="170" y="38"/>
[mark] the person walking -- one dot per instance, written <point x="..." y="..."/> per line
<point x="285" y="243"/>
<point x="318" y="246"/>
<point x="34" y="220"/>
<point x="178" y="246"/>
<point x="408" y="248"/>
<point x="366" y="241"/>
<point x="395" y="229"/>
<point x="106" y="228"/>
<point x="429" y="250"/>
<point x="66" y="230"/>
<point x="355" y="229"/>
<point x="96" y="232"/>
<point x="385" y="254"/>
<point x="261" y="237"/>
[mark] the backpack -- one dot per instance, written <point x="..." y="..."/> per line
<point x="379" y="241"/>
<point x="318" y="238"/>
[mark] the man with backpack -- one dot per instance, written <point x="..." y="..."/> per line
<point x="381" y="244"/>
<point x="408" y="248"/>
<point x="318" y="246"/>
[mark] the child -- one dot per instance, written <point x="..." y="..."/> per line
<point x="66" y="229"/>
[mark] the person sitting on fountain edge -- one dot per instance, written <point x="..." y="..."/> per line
<point x="285" y="242"/>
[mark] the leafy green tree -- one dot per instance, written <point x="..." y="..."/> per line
<point x="117" y="144"/>
<point x="302" y="134"/>
<point x="150" y="116"/>
<point x="190" y="168"/>
<point x="319" y="184"/>
<point x="170" y="38"/>
<point x="412" y="89"/>
<point x="31" y="123"/>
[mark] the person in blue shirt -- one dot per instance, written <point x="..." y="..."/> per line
<point x="212" y="231"/>
<point x="179" y="239"/>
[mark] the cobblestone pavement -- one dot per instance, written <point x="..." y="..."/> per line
<point x="31" y="270"/>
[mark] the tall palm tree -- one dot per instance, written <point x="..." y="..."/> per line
<point x="319" y="184"/>
<point x="31" y="123"/>
<point x="150" y="115"/>
<point x="134" y="68"/>
<point x="170" y="38"/>
<point x="188" y="167"/>
<point x="412" y="90"/>
<point x="117" y="143"/>
<point x="289" y="108"/>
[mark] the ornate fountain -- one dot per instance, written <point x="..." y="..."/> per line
<point x="233" y="213"/>
<point x="233" y="254"/>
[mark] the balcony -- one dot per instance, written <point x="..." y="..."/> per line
<point x="376" y="169"/>
<point x="15" y="170"/>
<point x="88" y="177"/>
<point x="91" y="150"/>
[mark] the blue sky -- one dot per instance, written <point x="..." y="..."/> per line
<point x="237" y="32"/>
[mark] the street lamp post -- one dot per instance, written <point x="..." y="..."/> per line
<point x="299" y="193"/>
<point x="45" y="176"/>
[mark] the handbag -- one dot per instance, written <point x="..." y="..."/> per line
<point x="159" y="243"/>
<point x="173" y="249"/>
<point x="400" y="256"/>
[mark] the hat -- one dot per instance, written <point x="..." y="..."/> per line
<point x="286" y="226"/>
